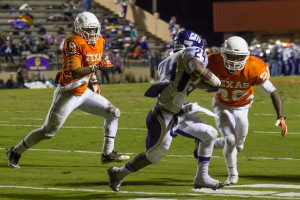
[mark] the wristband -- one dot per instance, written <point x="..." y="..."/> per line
<point x="214" y="81"/>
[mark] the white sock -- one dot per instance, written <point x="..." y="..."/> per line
<point x="202" y="170"/>
<point x="108" y="145"/>
<point x="232" y="171"/>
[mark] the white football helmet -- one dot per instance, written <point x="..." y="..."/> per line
<point x="87" y="20"/>
<point x="235" y="52"/>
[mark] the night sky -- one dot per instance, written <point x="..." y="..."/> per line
<point x="194" y="15"/>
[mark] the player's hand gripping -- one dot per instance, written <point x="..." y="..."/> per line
<point x="105" y="63"/>
<point x="281" y="122"/>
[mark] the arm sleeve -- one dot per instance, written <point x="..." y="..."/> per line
<point x="267" y="87"/>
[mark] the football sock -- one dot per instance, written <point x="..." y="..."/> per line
<point x="108" y="145"/>
<point x="202" y="169"/>
<point x="20" y="148"/>
<point x="123" y="171"/>
<point x="232" y="171"/>
<point x="31" y="139"/>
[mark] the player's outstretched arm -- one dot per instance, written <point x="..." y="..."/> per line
<point x="278" y="108"/>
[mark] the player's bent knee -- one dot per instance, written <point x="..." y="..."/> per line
<point x="230" y="140"/>
<point x="114" y="111"/>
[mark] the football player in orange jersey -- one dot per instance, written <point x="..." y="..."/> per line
<point x="82" y="56"/>
<point x="238" y="73"/>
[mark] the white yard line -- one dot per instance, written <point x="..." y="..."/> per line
<point x="178" y="156"/>
<point x="277" y="132"/>
<point x="196" y="192"/>
<point x="120" y="128"/>
<point x="71" y="127"/>
<point x="39" y="119"/>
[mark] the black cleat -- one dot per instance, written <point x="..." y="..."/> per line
<point x="13" y="158"/>
<point x="114" y="157"/>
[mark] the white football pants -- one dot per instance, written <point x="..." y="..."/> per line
<point x="62" y="105"/>
<point x="233" y="125"/>
<point x="159" y="134"/>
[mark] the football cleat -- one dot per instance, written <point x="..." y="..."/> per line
<point x="113" y="157"/>
<point x="231" y="180"/>
<point x="114" y="182"/>
<point x="13" y="158"/>
<point x="208" y="182"/>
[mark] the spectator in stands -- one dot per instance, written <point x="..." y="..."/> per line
<point x="20" y="77"/>
<point x="129" y="50"/>
<point x="145" y="49"/>
<point x="105" y="73"/>
<point x="172" y="27"/>
<point x="7" y="50"/>
<point x="58" y="38"/>
<point x="154" y="62"/>
<point x="118" y="68"/>
<point x="273" y="60"/>
<point x="133" y="32"/>
<point x="138" y="52"/>
<point x="2" y="38"/>
<point x="124" y="4"/>
<point x="29" y="37"/>
<point x="25" y="48"/>
<point x="87" y="4"/>
<point x="41" y="47"/>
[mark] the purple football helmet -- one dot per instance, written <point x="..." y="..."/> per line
<point x="188" y="38"/>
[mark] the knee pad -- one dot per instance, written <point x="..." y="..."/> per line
<point x="230" y="140"/>
<point x="114" y="111"/>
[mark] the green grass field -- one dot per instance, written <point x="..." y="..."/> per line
<point x="68" y="166"/>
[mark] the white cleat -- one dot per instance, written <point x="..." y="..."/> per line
<point x="231" y="180"/>
<point x="207" y="183"/>
<point x="114" y="181"/>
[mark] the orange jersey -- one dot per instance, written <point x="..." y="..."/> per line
<point x="77" y="53"/>
<point x="237" y="88"/>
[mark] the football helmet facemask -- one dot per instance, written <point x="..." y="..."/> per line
<point x="188" y="38"/>
<point x="88" y="27"/>
<point x="235" y="52"/>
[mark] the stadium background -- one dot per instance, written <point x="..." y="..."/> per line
<point x="68" y="166"/>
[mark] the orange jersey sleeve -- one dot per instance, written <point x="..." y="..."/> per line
<point x="77" y="53"/>
<point x="237" y="88"/>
